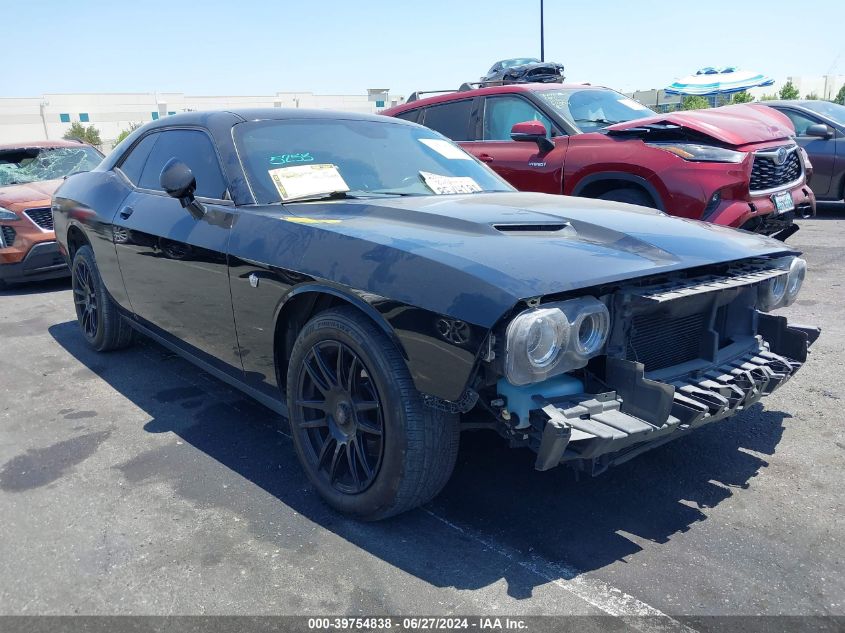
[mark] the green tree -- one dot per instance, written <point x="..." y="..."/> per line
<point x="124" y="133"/>
<point x="79" y="132"/>
<point x="812" y="97"/>
<point x="742" y="97"/>
<point x="840" y="96"/>
<point x="789" y="91"/>
<point x="694" y="102"/>
<point x="769" y="98"/>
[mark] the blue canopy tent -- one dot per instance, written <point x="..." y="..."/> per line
<point x="712" y="82"/>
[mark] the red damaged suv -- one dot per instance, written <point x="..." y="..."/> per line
<point x="736" y="165"/>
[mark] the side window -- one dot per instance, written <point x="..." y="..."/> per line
<point x="450" y="119"/>
<point x="196" y="150"/>
<point x="410" y="115"/>
<point x="501" y="113"/>
<point x="133" y="163"/>
<point x="800" y="121"/>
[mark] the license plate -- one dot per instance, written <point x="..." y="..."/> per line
<point x="783" y="202"/>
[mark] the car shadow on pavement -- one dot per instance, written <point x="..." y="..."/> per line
<point x="496" y="518"/>
<point x="35" y="287"/>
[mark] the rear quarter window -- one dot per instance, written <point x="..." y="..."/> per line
<point x="450" y="119"/>
<point x="133" y="163"/>
<point x="410" y="115"/>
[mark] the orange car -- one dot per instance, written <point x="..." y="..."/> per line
<point x="29" y="174"/>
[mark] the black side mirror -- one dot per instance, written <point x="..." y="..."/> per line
<point x="819" y="129"/>
<point x="178" y="181"/>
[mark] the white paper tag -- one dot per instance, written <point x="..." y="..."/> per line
<point x="442" y="185"/>
<point x="634" y="105"/>
<point x="307" y="180"/>
<point x="445" y="148"/>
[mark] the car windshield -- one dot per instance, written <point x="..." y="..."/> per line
<point x="32" y="164"/>
<point x="590" y="109"/>
<point x="831" y="110"/>
<point x="521" y="61"/>
<point x="363" y="158"/>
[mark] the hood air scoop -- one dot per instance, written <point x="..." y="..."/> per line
<point x="536" y="228"/>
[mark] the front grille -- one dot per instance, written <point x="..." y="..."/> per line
<point x="765" y="174"/>
<point x="658" y="341"/>
<point x="43" y="217"/>
<point x="9" y="235"/>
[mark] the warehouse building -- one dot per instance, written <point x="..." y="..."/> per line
<point x="49" y="116"/>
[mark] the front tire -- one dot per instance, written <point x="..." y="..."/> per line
<point x="367" y="442"/>
<point x="99" y="319"/>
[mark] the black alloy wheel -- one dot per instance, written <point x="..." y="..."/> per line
<point x="85" y="299"/>
<point x="341" y="417"/>
<point x="99" y="318"/>
<point x="366" y="441"/>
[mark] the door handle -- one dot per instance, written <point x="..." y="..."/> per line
<point x="125" y="212"/>
<point x="485" y="158"/>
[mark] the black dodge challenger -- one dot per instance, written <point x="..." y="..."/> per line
<point x="384" y="290"/>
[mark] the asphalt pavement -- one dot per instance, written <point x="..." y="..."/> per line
<point x="134" y="483"/>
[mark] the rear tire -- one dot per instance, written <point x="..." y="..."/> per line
<point x="100" y="321"/>
<point x="365" y="439"/>
<point x="629" y="196"/>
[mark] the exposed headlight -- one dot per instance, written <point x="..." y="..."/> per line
<point x="797" y="272"/>
<point x="781" y="291"/>
<point x="7" y="216"/>
<point x="554" y="339"/>
<point x="701" y="153"/>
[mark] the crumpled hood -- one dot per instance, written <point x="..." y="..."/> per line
<point x="475" y="256"/>
<point x="740" y="124"/>
<point x="29" y="192"/>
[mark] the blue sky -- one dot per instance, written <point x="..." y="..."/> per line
<point x="248" y="47"/>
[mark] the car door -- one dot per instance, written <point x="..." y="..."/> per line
<point x="822" y="151"/>
<point x="174" y="265"/>
<point x="523" y="164"/>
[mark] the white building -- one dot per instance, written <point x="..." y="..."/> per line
<point x="49" y="116"/>
<point x="822" y="86"/>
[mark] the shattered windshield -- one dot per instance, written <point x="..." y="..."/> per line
<point x="33" y="164"/>
<point x="591" y="109"/>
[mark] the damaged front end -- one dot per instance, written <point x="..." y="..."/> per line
<point x="678" y="353"/>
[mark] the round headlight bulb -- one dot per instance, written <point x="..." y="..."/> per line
<point x="795" y="279"/>
<point x="771" y="292"/>
<point x="592" y="328"/>
<point x="543" y="343"/>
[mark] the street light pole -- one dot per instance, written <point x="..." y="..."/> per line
<point x="542" y="36"/>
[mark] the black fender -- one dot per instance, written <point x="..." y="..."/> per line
<point x="429" y="342"/>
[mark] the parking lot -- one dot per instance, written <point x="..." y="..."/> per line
<point x="134" y="483"/>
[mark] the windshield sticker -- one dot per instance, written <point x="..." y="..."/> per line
<point x="442" y="185"/>
<point x="284" y="159"/>
<point x="445" y="149"/>
<point x="298" y="220"/>
<point x="632" y="104"/>
<point x="307" y="180"/>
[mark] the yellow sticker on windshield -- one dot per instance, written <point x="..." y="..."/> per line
<point x="311" y="220"/>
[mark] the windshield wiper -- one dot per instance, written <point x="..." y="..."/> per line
<point x="347" y="195"/>
<point x="602" y="121"/>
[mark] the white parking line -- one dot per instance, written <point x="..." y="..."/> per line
<point x="612" y="601"/>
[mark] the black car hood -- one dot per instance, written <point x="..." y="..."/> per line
<point x="473" y="257"/>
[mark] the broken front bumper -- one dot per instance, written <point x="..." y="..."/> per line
<point x="596" y="431"/>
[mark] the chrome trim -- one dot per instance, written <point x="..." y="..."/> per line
<point x="772" y="154"/>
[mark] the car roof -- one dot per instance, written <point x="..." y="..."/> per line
<point x="29" y="144"/>
<point x="491" y="90"/>
<point x="204" y="117"/>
